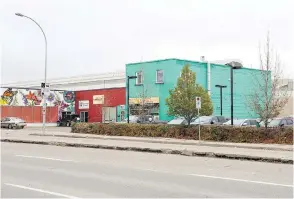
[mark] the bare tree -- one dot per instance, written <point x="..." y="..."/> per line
<point x="267" y="99"/>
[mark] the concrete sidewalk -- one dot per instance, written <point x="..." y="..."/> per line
<point x="277" y="147"/>
<point x="196" y="149"/>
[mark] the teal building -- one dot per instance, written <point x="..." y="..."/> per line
<point x="156" y="78"/>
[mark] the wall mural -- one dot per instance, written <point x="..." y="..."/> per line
<point x="65" y="100"/>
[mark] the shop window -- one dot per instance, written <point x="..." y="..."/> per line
<point x="159" y="76"/>
<point x="139" y="79"/>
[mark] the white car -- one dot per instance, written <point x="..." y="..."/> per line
<point x="180" y="121"/>
<point x="12" y="122"/>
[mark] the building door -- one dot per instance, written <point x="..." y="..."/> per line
<point x="108" y="114"/>
<point x="84" y="116"/>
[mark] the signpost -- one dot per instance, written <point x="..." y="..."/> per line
<point x="45" y="91"/>
<point x="198" y="107"/>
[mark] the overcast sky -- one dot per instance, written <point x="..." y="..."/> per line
<point x="96" y="36"/>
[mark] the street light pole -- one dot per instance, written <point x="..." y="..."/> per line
<point x="45" y="78"/>
<point x="233" y="65"/>
<point x="128" y="96"/>
<point x="221" y="96"/>
<point x="232" y="99"/>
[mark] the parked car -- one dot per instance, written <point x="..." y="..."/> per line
<point x="180" y="121"/>
<point x="68" y="120"/>
<point x="281" y="122"/>
<point x="12" y="123"/>
<point x="149" y="119"/>
<point x="243" y="122"/>
<point x="208" y="120"/>
<point x="132" y="119"/>
<point x="145" y="119"/>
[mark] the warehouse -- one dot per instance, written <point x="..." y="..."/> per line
<point x="24" y="100"/>
<point x="156" y="78"/>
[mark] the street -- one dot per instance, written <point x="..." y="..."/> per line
<point x="40" y="171"/>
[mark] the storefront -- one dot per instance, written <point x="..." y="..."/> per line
<point x="101" y="105"/>
<point x="144" y="106"/>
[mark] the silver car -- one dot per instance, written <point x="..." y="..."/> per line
<point x="243" y="122"/>
<point x="12" y="122"/>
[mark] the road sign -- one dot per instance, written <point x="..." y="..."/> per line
<point x="45" y="89"/>
<point x="198" y="102"/>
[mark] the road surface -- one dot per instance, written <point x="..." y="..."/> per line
<point x="40" y="171"/>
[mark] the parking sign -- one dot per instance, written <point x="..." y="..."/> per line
<point x="198" y="102"/>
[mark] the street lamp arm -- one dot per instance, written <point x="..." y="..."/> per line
<point x="21" y="15"/>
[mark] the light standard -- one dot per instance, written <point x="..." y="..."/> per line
<point x="128" y="95"/>
<point x="45" y="80"/>
<point x="234" y="65"/>
<point x="221" y="96"/>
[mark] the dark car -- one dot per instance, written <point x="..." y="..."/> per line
<point x="208" y="120"/>
<point x="67" y="120"/>
<point x="281" y="122"/>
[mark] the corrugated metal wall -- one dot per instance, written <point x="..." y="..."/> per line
<point x="31" y="114"/>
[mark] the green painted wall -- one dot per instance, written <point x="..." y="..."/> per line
<point x="220" y="74"/>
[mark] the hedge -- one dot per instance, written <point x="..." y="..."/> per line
<point x="209" y="133"/>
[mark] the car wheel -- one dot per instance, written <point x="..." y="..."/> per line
<point x="22" y="127"/>
<point x="9" y="126"/>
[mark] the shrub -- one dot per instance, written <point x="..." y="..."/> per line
<point x="209" y="133"/>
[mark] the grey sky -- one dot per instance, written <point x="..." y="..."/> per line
<point x="95" y="36"/>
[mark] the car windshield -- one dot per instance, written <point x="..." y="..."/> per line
<point x="204" y="119"/>
<point x="16" y="119"/>
<point x="274" y="122"/>
<point x="176" y="121"/>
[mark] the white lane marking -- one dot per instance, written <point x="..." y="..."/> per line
<point x="223" y="178"/>
<point x="196" y="175"/>
<point x="242" y="180"/>
<point x="41" y="191"/>
<point x="45" y="158"/>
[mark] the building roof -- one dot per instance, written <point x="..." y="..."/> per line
<point x="219" y="62"/>
<point x="81" y="82"/>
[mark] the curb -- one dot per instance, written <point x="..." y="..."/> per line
<point x="163" y="151"/>
<point x="163" y="142"/>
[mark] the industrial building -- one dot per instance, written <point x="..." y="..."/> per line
<point x="67" y="95"/>
<point x="102" y="97"/>
<point x="156" y="78"/>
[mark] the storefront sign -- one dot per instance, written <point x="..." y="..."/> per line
<point x="147" y="100"/>
<point x="84" y="104"/>
<point x="98" y="99"/>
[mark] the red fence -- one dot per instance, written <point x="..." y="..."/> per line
<point x="31" y="114"/>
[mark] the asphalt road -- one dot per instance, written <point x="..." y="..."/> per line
<point x="40" y="171"/>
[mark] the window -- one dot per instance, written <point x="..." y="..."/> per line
<point x="159" y="76"/>
<point x="246" y="123"/>
<point x="214" y="120"/>
<point x="221" y="119"/>
<point x="139" y="79"/>
<point x="253" y="122"/>
<point x="289" y="122"/>
<point x="283" y="123"/>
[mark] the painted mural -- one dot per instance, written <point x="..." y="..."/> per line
<point x="65" y="100"/>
